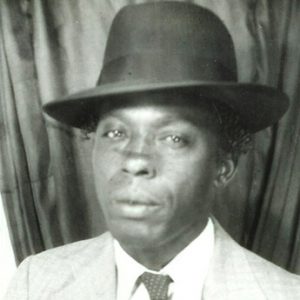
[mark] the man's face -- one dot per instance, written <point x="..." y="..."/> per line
<point x="155" y="166"/>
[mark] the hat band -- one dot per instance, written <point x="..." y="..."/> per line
<point x="157" y="68"/>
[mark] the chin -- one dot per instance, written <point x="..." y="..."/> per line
<point x="134" y="235"/>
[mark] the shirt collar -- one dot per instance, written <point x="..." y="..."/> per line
<point x="188" y="269"/>
<point x="128" y="271"/>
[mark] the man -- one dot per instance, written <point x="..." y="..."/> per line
<point x="170" y="121"/>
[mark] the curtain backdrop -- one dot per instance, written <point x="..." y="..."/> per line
<point x="49" y="48"/>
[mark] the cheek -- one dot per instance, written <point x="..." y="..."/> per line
<point x="192" y="176"/>
<point x="104" y="163"/>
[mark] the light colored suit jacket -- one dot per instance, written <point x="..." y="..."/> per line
<point x="85" y="270"/>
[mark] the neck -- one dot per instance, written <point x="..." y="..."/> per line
<point x="157" y="256"/>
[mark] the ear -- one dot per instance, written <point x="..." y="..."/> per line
<point x="226" y="170"/>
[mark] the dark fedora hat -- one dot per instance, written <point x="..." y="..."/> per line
<point x="168" y="46"/>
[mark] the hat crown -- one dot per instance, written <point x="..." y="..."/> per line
<point x="176" y="47"/>
<point x="184" y="42"/>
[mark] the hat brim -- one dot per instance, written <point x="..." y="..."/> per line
<point x="258" y="106"/>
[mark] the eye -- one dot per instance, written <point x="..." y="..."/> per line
<point x="114" y="134"/>
<point x="175" y="141"/>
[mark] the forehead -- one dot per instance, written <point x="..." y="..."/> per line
<point x="163" y="108"/>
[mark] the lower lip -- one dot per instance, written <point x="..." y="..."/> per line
<point x="135" y="210"/>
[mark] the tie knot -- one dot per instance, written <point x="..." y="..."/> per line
<point x="156" y="285"/>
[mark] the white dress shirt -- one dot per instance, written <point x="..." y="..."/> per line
<point x="188" y="270"/>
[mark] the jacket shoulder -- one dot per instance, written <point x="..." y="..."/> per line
<point x="71" y="257"/>
<point x="72" y="250"/>
<point x="245" y="275"/>
<point x="50" y="271"/>
<point x="248" y="273"/>
<point x="271" y="276"/>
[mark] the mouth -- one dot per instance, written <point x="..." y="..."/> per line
<point x="135" y="202"/>
<point x="135" y="208"/>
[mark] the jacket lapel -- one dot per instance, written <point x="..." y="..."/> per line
<point x="96" y="279"/>
<point x="230" y="275"/>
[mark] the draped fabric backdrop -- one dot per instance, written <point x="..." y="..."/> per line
<point x="49" y="48"/>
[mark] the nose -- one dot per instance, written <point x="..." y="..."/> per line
<point x="138" y="159"/>
<point x="137" y="164"/>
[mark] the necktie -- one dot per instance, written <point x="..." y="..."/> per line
<point x="156" y="285"/>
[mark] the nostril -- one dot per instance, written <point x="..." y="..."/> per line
<point x="142" y="173"/>
<point x="136" y="172"/>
